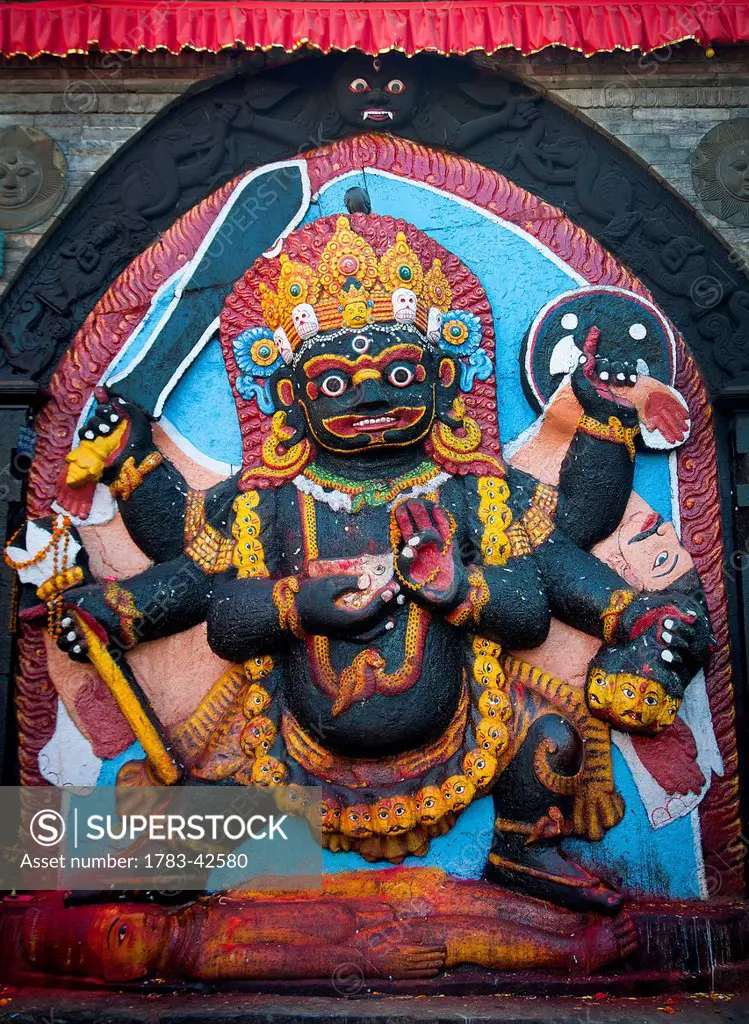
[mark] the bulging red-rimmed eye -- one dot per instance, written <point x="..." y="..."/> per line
<point x="359" y="85"/>
<point x="395" y="86"/>
<point x="401" y="376"/>
<point x="334" y="385"/>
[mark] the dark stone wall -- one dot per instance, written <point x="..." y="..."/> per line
<point x="659" y="106"/>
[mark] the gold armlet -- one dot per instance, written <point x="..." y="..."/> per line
<point x="472" y="605"/>
<point x="520" y="545"/>
<point x="546" y="498"/>
<point x="194" y="515"/>
<point x="131" y="476"/>
<point x="611" y="431"/>
<point x="537" y="525"/>
<point x="619" y="600"/>
<point x="284" y="598"/>
<point x="59" y="583"/>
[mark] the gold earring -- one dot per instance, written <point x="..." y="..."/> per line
<point x="451" y="446"/>
<point x="279" y="461"/>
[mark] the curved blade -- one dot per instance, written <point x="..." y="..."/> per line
<point x="265" y="206"/>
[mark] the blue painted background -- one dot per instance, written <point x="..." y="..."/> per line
<point x="519" y="279"/>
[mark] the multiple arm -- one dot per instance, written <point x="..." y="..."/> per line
<point x="153" y="497"/>
<point x="167" y="598"/>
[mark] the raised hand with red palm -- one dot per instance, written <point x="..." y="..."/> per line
<point x="427" y="559"/>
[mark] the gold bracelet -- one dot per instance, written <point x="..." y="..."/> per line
<point x="537" y="525"/>
<point x="473" y="603"/>
<point x="131" y="476"/>
<point x="611" y="431"/>
<point x="284" y="598"/>
<point x="122" y="603"/>
<point x="619" y="600"/>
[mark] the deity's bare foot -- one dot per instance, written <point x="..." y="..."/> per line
<point x="605" y="942"/>
<point x="531" y="821"/>
<point x="541" y="870"/>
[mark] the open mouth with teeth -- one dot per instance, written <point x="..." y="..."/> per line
<point x="353" y="426"/>
<point x="377" y="115"/>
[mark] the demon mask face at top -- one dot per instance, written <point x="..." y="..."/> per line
<point x="373" y="388"/>
<point x="379" y="92"/>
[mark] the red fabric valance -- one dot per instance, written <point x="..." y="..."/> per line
<point x="445" y="26"/>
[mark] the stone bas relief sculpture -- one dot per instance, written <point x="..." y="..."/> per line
<point x="384" y="592"/>
<point x="720" y="167"/>
<point x="33" y="173"/>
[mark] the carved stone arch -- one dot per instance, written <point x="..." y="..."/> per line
<point x="222" y="129"/>
<point x="217" y="130"/>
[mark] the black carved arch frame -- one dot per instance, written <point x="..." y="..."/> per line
<point x="232" y="124"/>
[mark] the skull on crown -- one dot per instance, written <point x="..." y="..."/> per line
<point x="404" y="305"/>
<point x="305" y="320"/>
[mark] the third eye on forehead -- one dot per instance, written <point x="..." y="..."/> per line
<point x="361" y="344"/>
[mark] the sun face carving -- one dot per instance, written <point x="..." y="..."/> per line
<point x="720" y="168"/>
<point x="32" y="177"/>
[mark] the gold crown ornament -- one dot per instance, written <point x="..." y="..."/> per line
<point x="352" y="287"/>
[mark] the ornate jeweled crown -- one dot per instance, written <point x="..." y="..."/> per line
<point x="340" y="275"/>
<point x="351" y="287"/>
<point x="348" y="275"/>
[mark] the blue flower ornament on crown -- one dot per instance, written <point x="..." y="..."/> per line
<point x="352" y="288"/>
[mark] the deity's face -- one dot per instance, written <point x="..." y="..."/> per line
<point x="653" y="554"/>
<point x="480" y="767"/>
<point x="112" y="941"/>
<point x="631" y="703"/>
<point x="258" y="668"/>
<point x="733" y="169"/>
<point x="367" y="389"/>
<point x="491" y="736"/>
<point x="380" y="92"/>
<point x="458" y="791"/>
<point x="292" y="799"/>
<point x="256" y="700"/>
<point x="495" y="704"/>
<point x="20" y="177"/>
<point x="258" y="736"/>
<point x="127" y="941"/>
<point x="267" y="771"/>
<point x="331" y="815"/>
<point x="486" y="671"/>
